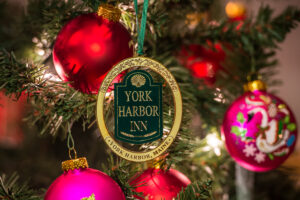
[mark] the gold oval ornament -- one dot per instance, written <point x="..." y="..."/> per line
<point x="137" y="63"/>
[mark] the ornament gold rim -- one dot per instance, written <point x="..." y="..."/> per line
<point x="112" y="74"/>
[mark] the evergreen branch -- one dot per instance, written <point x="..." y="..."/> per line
<point x="56" y="105"/>
<point x="182" y="146"/>
<point x="11" y="190"/>
<point x="197" y="191"/>
<point x="57" y="13"/>
<point x="254" y="38"/>
<point x="249" y="49"/>
<point x="121" y="171"/>
<point x="17" y="77"/>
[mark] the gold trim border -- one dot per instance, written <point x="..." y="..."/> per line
<point x="126" y="64"/>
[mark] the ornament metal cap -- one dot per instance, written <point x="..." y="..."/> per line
<point x="109" y="12"/>
<point x="157" y="162"/>
<point x="77" y="163"/>
<point x="255" y="85"/>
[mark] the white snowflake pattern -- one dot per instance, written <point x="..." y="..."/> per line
<point x="249" y="150"/>
<point x="260" y="157"/>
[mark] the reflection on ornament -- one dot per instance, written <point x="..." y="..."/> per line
<point x="260" y="131"/>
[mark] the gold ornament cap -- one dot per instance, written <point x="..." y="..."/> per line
<point x="109" y="12"/>
<point x="157" y="162"/>
<point x="255" y="85"/>
<point x="77" y="163"/>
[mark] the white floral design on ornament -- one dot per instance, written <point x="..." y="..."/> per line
<point x="249" y="150"/>
<point x="260" y="157"/>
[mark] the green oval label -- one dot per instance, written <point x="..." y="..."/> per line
<point x="138" y="108"/>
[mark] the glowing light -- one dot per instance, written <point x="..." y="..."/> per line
<point x="206" y="148"/>
<point x="217" y="151"/>
<point x="108" y="94"/>
<point x="35" y="40"/>
<point x="41" y="52"/>
<point x="214" y="142"/>
<point x="208" y="170"/>
<point x="235" y="9"/>
<point x="219" y="97"/>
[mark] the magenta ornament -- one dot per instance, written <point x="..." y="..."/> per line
<point x="260" y="131"/>
<point x="84" y="184"/>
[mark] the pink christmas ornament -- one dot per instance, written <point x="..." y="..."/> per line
<point x="83" y="184"/>
<point x="259" y="129"/>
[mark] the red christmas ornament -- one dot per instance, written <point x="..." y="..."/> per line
<point x="188" y="55"/>
<point x="202" y="62"/>
<point x="205" y="69"/>
<point x="88" y="46"/>
<point x="157" y="184"/>
<point x="11" y="114"/>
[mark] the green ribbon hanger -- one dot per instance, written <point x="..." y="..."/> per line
<point x="141" y="30"/>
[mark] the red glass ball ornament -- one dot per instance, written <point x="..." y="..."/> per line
<point x="85" y="183"/>
<point x="157" y="184"/>
<point x="204" y="69"/>
<point x="190" y="54"/>
<point x="11" y="115"/>
<point x="87" y="47"/>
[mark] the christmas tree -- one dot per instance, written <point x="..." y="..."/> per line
<point x="216" y="51"/>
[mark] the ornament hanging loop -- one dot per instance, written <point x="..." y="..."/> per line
<point x="71" y="144"/>
<point x="142" y="28"/>
<point x="72" y="151"/>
